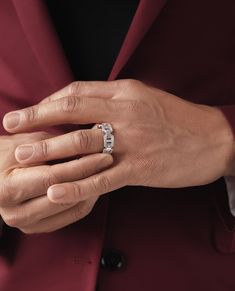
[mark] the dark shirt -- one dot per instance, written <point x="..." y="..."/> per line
<point x="92" y="33"/>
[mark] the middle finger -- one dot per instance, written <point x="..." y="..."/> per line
<point x="71" y="144"/>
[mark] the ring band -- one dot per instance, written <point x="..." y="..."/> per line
<point x="108" y="137"/>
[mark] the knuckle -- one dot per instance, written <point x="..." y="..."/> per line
<point x="12" y="220"/>
<point x="30" y="114"/>
<point x="74" y="87"/>
<point x="80" y="140"/>
<point x="69" y="104"/>
<point x="102" y="184"/>
<point x="18" y="217"/>
<point x="77" y="192"/>
<point x="43" y="148"/>
<point x="116" y="84"/>
<point x="131" y="83"/>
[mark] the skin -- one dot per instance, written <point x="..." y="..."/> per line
<point x="23" y="200"/>
<point x="161" y="140"/>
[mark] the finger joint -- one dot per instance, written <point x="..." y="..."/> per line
<point x="30" y="114"/>
<point x="70" y="104"/>
<point x="102" y="184"/>
<point x="75" y="87"/>
<point x="76" y="192"/>
<point x="80" y="140"/>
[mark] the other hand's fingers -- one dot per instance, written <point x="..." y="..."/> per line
<point x="62" y="219"/>
<point x="94" y="186"/>
<point x="67" y="145"/>
<point x="26" y="183"/>
<point x="32" y="211"/>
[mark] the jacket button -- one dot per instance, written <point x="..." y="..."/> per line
<point x="111" y="260"/>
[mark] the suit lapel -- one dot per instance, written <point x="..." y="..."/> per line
<point x="43" y="40"/>
<point x="146" y="14"/>
<point x="45" y="44"/>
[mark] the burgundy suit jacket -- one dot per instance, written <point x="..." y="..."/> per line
<point x="179" y="239"/>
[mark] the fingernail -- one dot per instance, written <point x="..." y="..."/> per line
<point x="12" y="120"/>
<point x="56" y="192"/>
<point x="24" y="152"/>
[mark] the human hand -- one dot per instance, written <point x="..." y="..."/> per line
<point x="160" y="140"/>
<point x="23" y="203"/>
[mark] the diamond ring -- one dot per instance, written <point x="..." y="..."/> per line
<point x="108" y="137"/>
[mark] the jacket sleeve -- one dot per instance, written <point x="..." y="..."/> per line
<point x="229" y="112"/>
<point x="224" y="211"/>
<point x="230" y="185"/>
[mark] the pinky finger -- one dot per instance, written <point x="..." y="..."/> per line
<point x="62" y="219"/>
<point x="93" y="186"/>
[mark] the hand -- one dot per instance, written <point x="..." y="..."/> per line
<point x="23" y="203"/>
<point x="8" y="145"/>
<point x="160" y="140"/>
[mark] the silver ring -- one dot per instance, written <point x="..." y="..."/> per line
<point x="108" y="137"/>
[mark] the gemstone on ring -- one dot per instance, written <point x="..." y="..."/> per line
<point x="108" y="137"/>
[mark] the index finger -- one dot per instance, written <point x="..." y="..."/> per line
<point x="67" y="110"/>
<point x="97" y="89"/>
